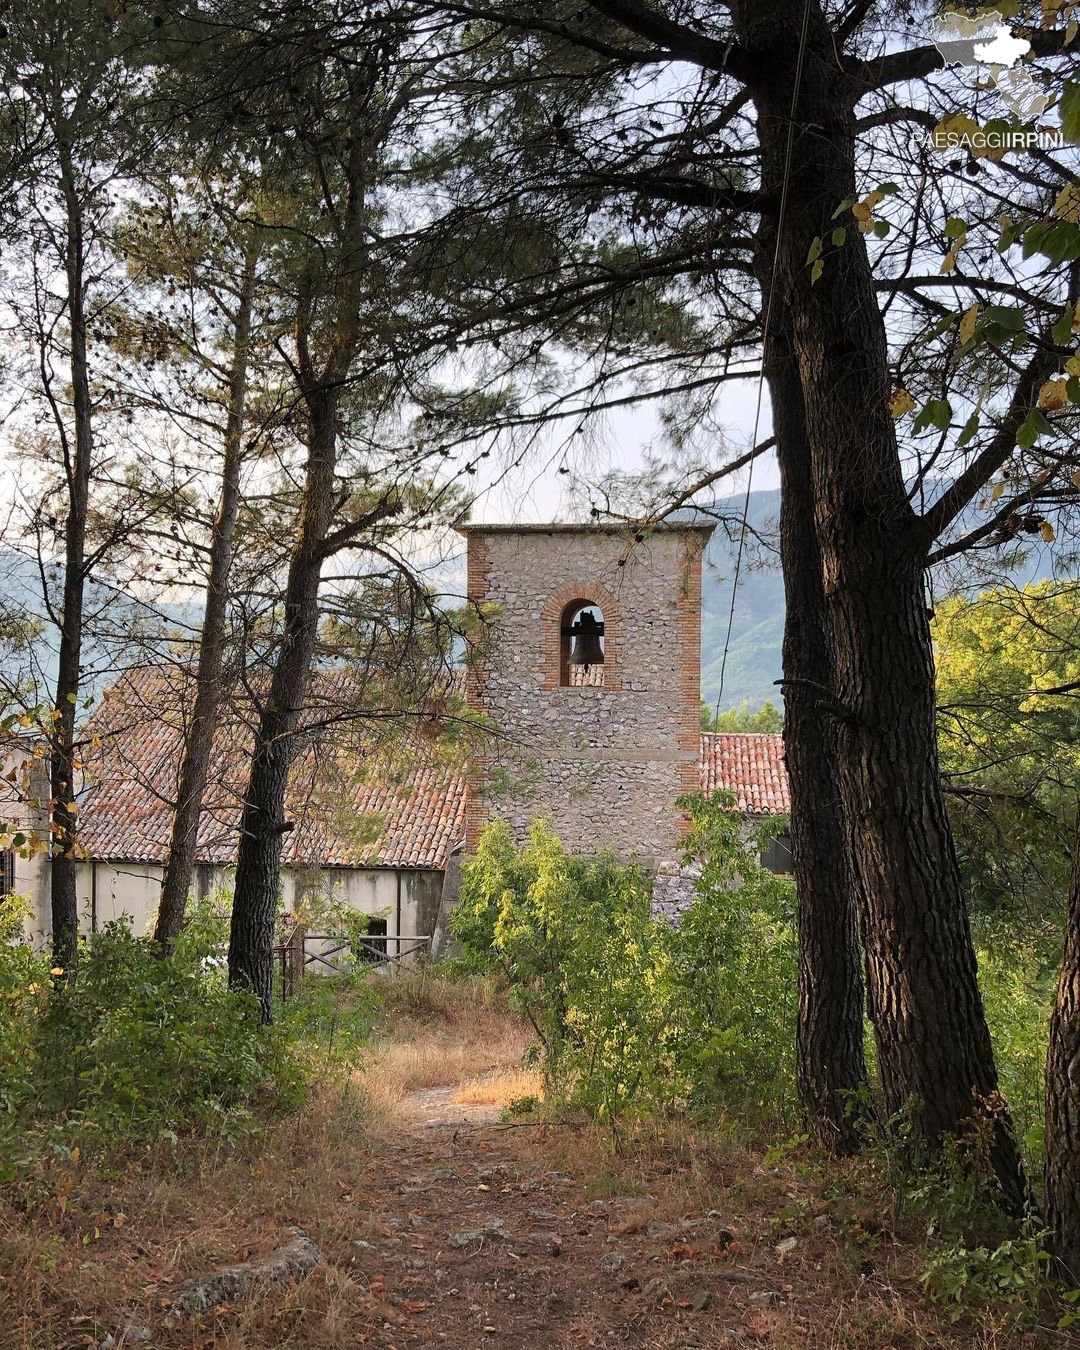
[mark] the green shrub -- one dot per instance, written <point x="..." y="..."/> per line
<point x="332" y="1014"/>
<point x="137" y="1050"/>
<point x="1018" y="978"/>
<point x="735" y="966"/>
<point x="24" y="986"/>
<point x="633" y="1015"/>
<point x="575" y="942"/>
<point x="970" y="1279"/>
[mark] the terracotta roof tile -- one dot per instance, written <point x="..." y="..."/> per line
<point x="342" y="815"/>
<point x="750" y="764"/>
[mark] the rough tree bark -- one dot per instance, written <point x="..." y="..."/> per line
<point x="329" y="305"/>
<point x="263" y="825"/>
<point x="78" y="456"/>
<point x="194" y="767"/>
<point x="1062" y="1172"/>
<point x="933" y="1042"/>
<point x="830" y="1064"/>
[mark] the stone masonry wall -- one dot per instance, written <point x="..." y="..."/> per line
<point x="604" y="764"/>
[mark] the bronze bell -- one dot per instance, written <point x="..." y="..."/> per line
<point x="587" y="632"/>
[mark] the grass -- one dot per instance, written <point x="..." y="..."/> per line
<point x="431" y="1032"/>
<point x="128" y="1233"/>
<point x="500" y="1089"/>
<point x="124" y="1235"/>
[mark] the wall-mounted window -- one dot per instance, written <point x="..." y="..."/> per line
<point x="777" y="857"/>
<point x="581" y="645"/>
<point x="373" y="946"/>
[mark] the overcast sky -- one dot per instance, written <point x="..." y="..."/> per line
<point x="621" y="439"/>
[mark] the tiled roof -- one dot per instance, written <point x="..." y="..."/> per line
<point x="344" y="813"/>
<point x="750" y="764"/>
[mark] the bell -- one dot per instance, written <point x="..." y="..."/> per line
<point x="587" y="650"/>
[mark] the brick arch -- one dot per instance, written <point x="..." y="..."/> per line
<point x="586" y="592"/>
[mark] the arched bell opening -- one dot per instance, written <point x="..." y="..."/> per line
<point x="581" y="644"/>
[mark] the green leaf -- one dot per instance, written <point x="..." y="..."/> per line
<point x="1026" y="435"/>
<point x="839" y="235"/>
<point x="1002" y="323"/>
<point x="1032" y="427"/>
<point x="941" y="326"/>
<point x="936" y="413"/>
<point x="1072" y="388"/>
<point x="1008" y="234"/>
<point x="1059" y="241"/>
<point x="1033" y="237"/>
<point x="1008" y="316"/>
<point x="955" y="228"/>
<point x="845" y="205"/>
<point x="816" y="271"/>
<point x="1070" y="112"/>
<point x="971" y="426"/>
<point x="815" y="250"/>
<point x="1062" y="329"/>
<point x="881" y="228"/>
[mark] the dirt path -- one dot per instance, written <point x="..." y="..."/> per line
<point x="481" y="1240"/>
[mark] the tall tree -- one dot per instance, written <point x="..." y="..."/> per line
<point x="69" y="94"/>
<point x="345" y="124"/>
<point x="335" y="283"/>
<point x="199" y="237"/>
<point x="1062" y="1173"/>
<point x="763" y="127"/>
<point x="194" y="766"/>
<point x="830" y="1063"/>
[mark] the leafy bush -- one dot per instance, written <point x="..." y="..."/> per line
<point x="969" y="1279"/>
<point x="333" y="1014"/>
<point x="632" y="1014"/>
<point x="1018" y="978"/>
<point x="736" y="963"/>
<point x="1019" y="750"/>
<point x="137" y="1049"/>
<point x="24" y="979"/>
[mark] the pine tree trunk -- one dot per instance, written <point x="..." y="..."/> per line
<point x="191" y="785"/>
<point x="933" y="1042"/>
<point x="263" y="823"/>
<point x="1063" y="1093"/>
<point x="830" y="1064"/>
<point x="78" y="456"/>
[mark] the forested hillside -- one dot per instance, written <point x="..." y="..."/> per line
<point x="757" y="625"/>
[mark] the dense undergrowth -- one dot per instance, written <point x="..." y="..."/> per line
<point x="640" y="1021"/>
<point x="142" y="1051"/>
<point x="635" y="1016"/>
<point x="648" y="1030"/>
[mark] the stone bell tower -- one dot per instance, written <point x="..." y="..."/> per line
<point x="589" y="673"/>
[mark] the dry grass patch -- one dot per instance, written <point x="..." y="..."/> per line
<point x="432" y="1032"/>
<point x="124" y="1237"/>
<point x="500" y="1089"/>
